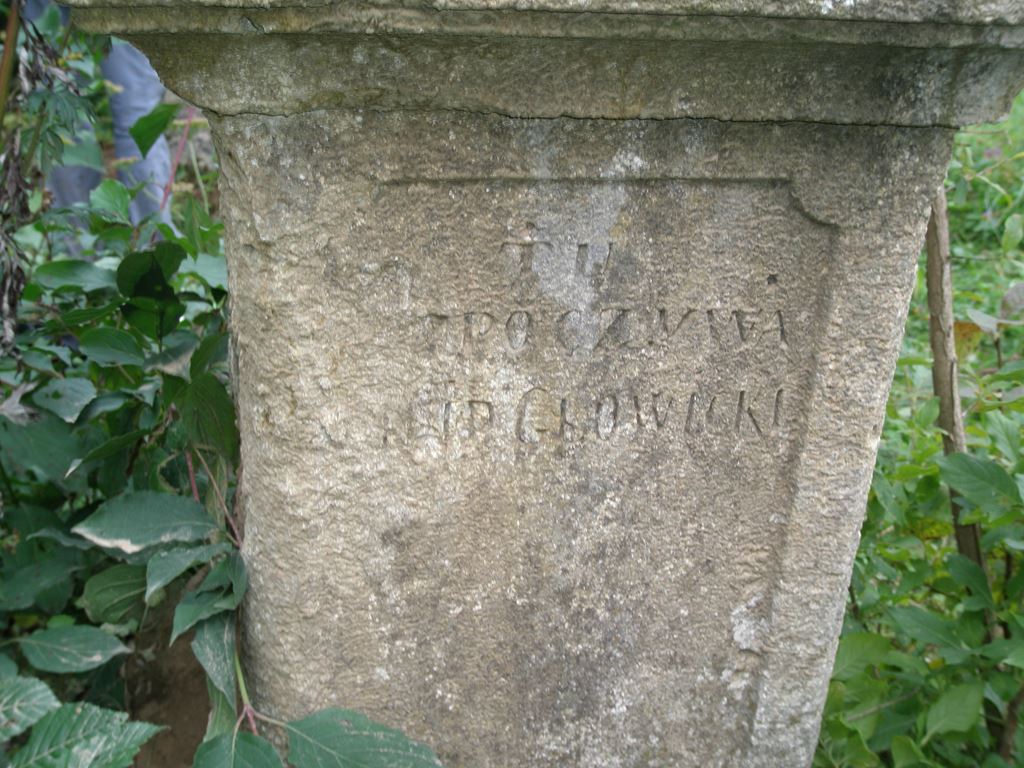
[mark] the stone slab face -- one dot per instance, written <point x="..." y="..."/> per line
<point x="562" y="358"/>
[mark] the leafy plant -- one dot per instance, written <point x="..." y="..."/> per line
<point x="930" y="666"/>
<point x="119" y="457"/>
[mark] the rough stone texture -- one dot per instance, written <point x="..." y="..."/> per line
<point x="559" y="405"/>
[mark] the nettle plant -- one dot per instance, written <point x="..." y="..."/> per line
<point x="119" y="457"/>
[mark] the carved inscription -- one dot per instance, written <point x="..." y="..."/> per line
<point x="627" y="370"/>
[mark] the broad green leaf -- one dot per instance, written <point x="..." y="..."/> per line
<point x="212" y="270"/>
<point x="88" y="314"/>
<point x="114" y="596"/>
<point x="229" y="573"/>
<point x="65" y="540"/>
<point x="23" y="700"/>
<point x="153" y="306"/>
<point x="46" y="446"/>
<point x="83" y="736"/>
<point x="109" y="448"/>
<point x="73" y="273"/>
<point x="19" y="589"/>
<point x="212" y="350"/>
<point x="223" y="713"/>
<point x="338" y="738"/>
<point x="858" y="651"/>
<point x="70" y="649"/>
<point x="136" y="520"/>
<point x="65" y="397"/>
<point x="956" y="711"/>
<point x="968" y="574"/>
<point x="238" y="750"/>
<point x="1013" y="231"/>
<point x="195" y="607"/>
<point x="110" y="201"/>
<point x="150" y="127"/>
<point x="111" y="346"/>
<point x="214" y="647"/>
<point x="979" y="480"/>
<point x="209" y="415"/>
<point x="926" y="627"/>
<point x="7" y="666"/>
<point x="165" y="567"/>
<point x="906" y="754"/>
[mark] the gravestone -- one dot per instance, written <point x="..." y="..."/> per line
<point x="563" y="334"/>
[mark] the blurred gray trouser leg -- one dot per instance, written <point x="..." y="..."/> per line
<point x="140" y="92"/>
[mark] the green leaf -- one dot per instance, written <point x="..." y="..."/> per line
<point x="46" y="446"/>
<point x="23" y="700"/>
<point x="209" y="415"/>
<point x="114" y="596"/>
<point x="110" y="201"/>
<point x="223" y="713"/>
<point x="19" y="590"/>
<point x="7" y="667"/>
<point x="65" y="397"/>
<point x="237" y="750"/>
<point x="968" y="574"/>
<point x="956" y="711"/>
<point x="70" y="649"/>
<point x="905" y="753"/>
<point x="338" y="738"/>
<point x="1013" y="231"/>
<point x="228" y="573"/>
<point x="165" y="567"/>
<point x="153" y="306"/>
<point x="150" y="127"/>
<point x="83" y="736"/>
<point x="109" y="448"/>
<point x="111" y="346"/>
<point x="136" y="520"/>
<point x="212" y="350"/>
<point x="858" y="651"/>
<point x="981" y="481"/>
<point x="214" y="647"/>
<point x="197" y="606"/>
<point x="71" y="273"/>
<point x="926" y="627"/>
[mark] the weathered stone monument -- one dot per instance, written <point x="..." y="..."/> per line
<point x="564" y="330"/>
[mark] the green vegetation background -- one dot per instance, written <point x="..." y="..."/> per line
<point x="118" y="463"/>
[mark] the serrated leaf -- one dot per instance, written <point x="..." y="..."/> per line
<point x="74" y="273"/>
<point x="111" y="346"/>
<point x="165" y="567"/>
<point x="109" y="448"/>
<point x="229" y="573"/>
<point x="212" y="350"/>
<point x="979" y="480"/>
<point x="969" y="574"/>
<point x="237" y="750"/>
<point x="214" y="647"/>
<point x="70" y="649"/>
<point x="926" y="627"/>
<point x="1012" y="301"/>
<point x="114" y="596"/>
<point x="111" y="202"/>
<point x="905" y="753"/>
<point x="46" y="446"/>
<point x="7" y="666"/>
<point x="23" y="700"/>
<point x="197" y="606"/>
<point x="209" y="415"/>
<point x="956" y="711"/>
<point x="857" y="651"/>
<point x="137" y="520"/>
<point x="65" y="397"/>
<point x="150" y="127"/>
<point x="339" y="738"/>
<point x="83" y="736"/>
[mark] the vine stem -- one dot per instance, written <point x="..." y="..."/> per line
<point x="192" y="475"/>
<point x="7" y="63"/>
<point x="248" y="712"/>
<point x="189" y="117"/>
